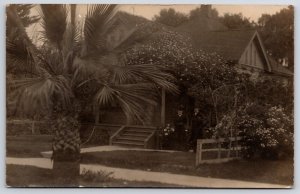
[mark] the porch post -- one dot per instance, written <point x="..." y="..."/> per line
<point x="163" y="108"/>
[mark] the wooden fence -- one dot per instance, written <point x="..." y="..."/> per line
<point x="27" y="127"/>
<point x="218" y="150"/>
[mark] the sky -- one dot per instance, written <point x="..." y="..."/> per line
<point x="148" y="11"/>
<point x="253" y="12"/>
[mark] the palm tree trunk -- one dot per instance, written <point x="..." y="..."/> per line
<point x="66" y="151"/>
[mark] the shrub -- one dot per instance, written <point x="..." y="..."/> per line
<point x="267" y="131"/>
<point x="269" y="135"/>
<point x="167" y="137"/>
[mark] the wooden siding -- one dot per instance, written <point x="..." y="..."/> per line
<point x="252" y="56"/>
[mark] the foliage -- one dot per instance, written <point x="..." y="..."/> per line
<point x="263" y="115"/>
<point x="70" y="71"/>
<point x="168" y="130"/>
<point x="202" y="10"/>
<point x="170" y="17"/>
<point x="167" y="137"/>
<point x="271" y="92"/>
<point x="236" y="21"/>
<point x="224" y="127"/>
<point x="96" y="177"/>
<point x="197" y="73"/>
<point x="277" y="32"/>
<point x="268" y="133"/>
<point x="23" y="11"/>
<point x="15" y="64"/>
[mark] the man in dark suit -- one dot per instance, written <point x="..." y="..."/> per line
<point x="197" y="128"/>
<point x="180" y="122"/>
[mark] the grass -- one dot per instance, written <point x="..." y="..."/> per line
<point x="277" y="172"/>
<point x="29" y="176"/>
<point x="27" y="146"/>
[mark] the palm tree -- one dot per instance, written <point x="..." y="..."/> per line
<point x="70" y="72"/>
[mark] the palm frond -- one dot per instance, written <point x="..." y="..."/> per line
<point x="95" y="26"/>
<point x="54" y="22"/>
<point x="72" y="35"/>
<point x="39" y="94"/>
<point x="71" y="46"/>
<point x="19" y="58"/>
<point x="13" y="17"/>
<point x="146" y="73"/>
<point x="132" y="98"/>
<point x="51" y="61"/>
<point x="85" y="69"/>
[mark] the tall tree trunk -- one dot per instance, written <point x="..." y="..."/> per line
<point x="66" y="151"/>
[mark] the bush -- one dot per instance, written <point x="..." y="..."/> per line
<point x="267" y="134"/>
<point x="267" y="131"/>
<point x="166" y="136"/>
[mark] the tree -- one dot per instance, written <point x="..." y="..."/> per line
<point x="277" y="32"/>
<point x="204" y="10"/>
<point x="236" y="21"/>
<point x="23" y="11"/>
<point x="70" y="74"/>
<point x="170" y="17"/>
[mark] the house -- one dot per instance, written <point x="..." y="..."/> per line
<point x="242" y="47"/>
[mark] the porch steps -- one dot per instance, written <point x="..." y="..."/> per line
<point x="133" y="136"/>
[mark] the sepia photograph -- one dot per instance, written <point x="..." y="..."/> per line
<point x="149" y="96"/>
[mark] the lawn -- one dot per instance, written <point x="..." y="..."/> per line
<point x="278" y="172"/>
<point x="29" y="176"/>
<point x="28" y="145"/>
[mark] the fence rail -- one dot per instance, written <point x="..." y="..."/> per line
<point x="218" y="150"/>
<point x="27" y="127"/>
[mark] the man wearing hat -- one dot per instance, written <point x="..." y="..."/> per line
<point x="180" y="122"/>
<point x="197" y="128"/>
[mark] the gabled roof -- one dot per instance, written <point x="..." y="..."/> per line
<point x="205" y="33"/>
<point x="230" y="43"/>
<point x="201" y="24"/>
<point x="211" y="35"/>
<point x="129" y="19"/>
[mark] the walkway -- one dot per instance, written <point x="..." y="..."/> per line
<point x="108" y="148"/>
<point x="139" y="175"/>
